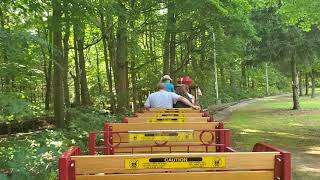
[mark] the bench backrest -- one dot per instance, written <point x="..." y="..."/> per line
<point x="265" y="163"/>
<point x="156" y="114"/>
<point x="165" y="119"/>
<point x="167" y="110"/>
<point x="230" y="166"/>
<point x="124" y="138"/>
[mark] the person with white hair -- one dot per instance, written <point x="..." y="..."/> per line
<point x="165" y="99"/>
<point x="166" y="80"/>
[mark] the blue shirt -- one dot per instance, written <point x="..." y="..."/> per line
<point x="161" y="99"/>
<point x="169" y="86"/>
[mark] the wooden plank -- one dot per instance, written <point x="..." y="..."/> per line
<point x="146" y="119"/>
<point x="173" y="149"/>
<point x="163" y="126"/>
<point x="171" y="109"/>
<point x="167" y="114"/>
<point x="116" y="163"/>
<point x="227" y="175"/>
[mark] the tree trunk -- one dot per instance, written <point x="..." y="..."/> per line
<point x="4" y="50"/>
<point x="85" y="97"/>
<point x="294" y="76"/>
<point x="76" y="77"/>
<point x="112" y="57"/>
<point x="243" y="75"/>
<point x="98" y="75"/>
<point x="172" y="39"/>
<point x="233" y="83"/>
<point x="107" y="64"/>
<point x="168" y="38"/>
<point x="222" y="77"/>
<point x="166" y="53"/>
<point x="307" y="84"/>
<point x="48" y="74"/>
<point x="66" y="58"/>
<point x="122" y="64"/>
<point x="58" y="59"/>
<point x="313" y="82"/>
<point x="300" y="84"/>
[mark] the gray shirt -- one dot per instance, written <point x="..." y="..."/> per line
<point x="161" y="99"/>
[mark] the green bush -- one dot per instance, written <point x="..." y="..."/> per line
<point x="35" y="156"/>
<point x="13" y="106"/>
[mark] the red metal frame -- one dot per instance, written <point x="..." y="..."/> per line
<point x="222" y="137"/>
<point x="66" y="165"/>
<point x="282" y="169"/>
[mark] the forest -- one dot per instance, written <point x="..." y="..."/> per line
<point x="66" y="66"/>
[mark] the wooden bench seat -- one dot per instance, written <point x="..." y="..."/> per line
<point x="124" y="138"/>
<point x="167" y="110"/>
<point x="165" y="119"/>
<point x="170" y="115"/>
<point x="269" y="164"/>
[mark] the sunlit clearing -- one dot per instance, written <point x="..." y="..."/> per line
<point x="314" y="150"/>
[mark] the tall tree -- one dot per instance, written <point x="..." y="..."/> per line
<point x="103" y="30"/>
<point x="85" y="97"/>
<point x="66" y="52"/>
<point x="122" y="60"/>
<point x="59" y="111"/>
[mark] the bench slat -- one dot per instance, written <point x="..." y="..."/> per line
<point x="232" y="175"/>
<point x="189" y="110"/>
<point x="182" y="114"/>
<point x="147" y="119"/>
<point x="164" y="126"/>
<point x="116" y="163"/>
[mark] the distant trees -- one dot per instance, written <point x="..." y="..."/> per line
<point x="109" y="54"/>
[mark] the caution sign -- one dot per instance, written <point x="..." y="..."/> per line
<point x="170" y="115"/>
<point x="161" y="135"/>
<point x="175" y="163"/>
<point x="167" y="119"/>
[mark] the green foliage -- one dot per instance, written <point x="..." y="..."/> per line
<point x="35" y="155"/>
<point x="14" y="106"/>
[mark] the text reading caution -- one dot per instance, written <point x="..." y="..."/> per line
<point x="175" y="162"/>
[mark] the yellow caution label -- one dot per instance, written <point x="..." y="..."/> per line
<point x="167" y="119"/>
<point x="170" y="115"/>
<point x="161" y="135"/>
<point x="175" y="163"/>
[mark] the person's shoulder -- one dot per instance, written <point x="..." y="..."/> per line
<point x="174" y="94"/>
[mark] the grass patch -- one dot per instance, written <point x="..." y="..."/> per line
<point x="270" y="120"/>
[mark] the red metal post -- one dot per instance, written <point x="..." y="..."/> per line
<point x="106" y="135"/>
<point x="282" y="161"/>
<point x="220" y="139"/>
<point x="72" y="170"/>
<point x="227" y="139"/>
<point x="66" y="167"/>
<point x="205" y="114"/>
<point x="125" y="120"/>
<point x="111" y="150"/>
<point x="92" y="143"/>
<point x="63" y="168"/>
